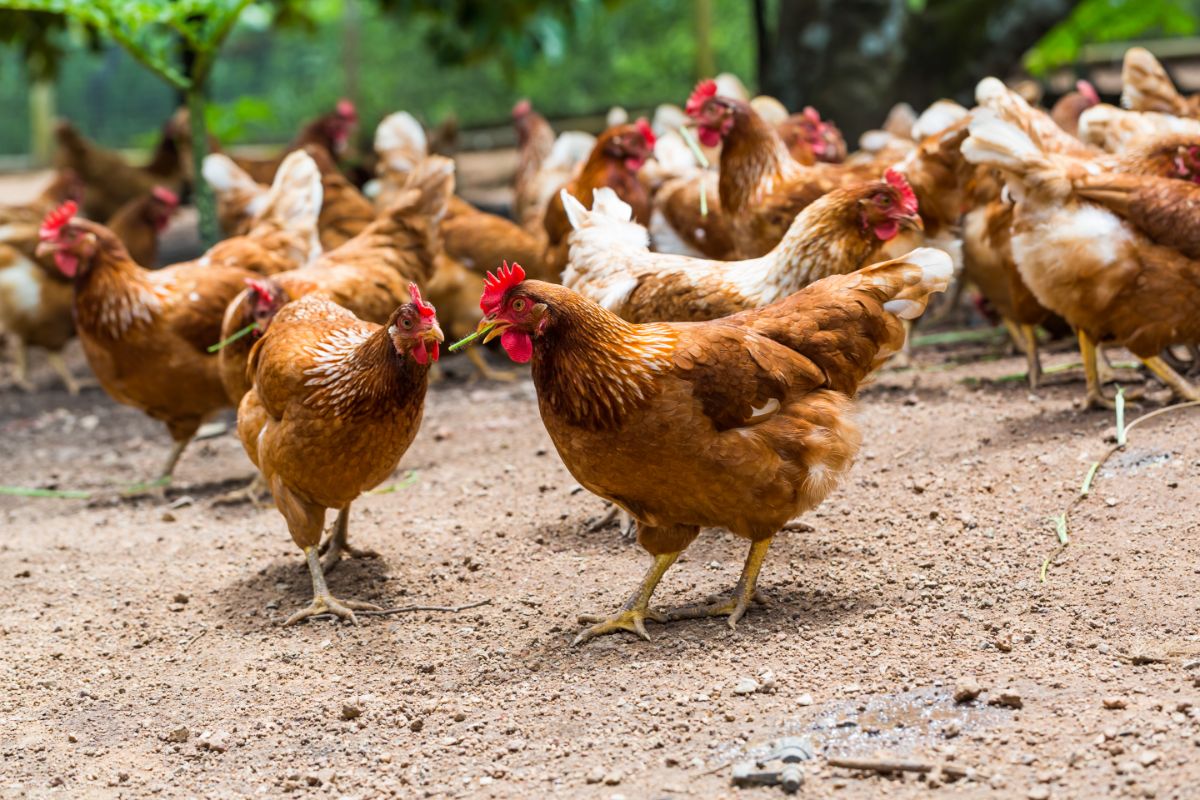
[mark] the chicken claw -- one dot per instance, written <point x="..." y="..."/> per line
<point x="630" y="619"/>
<point x="734" y="607"/>
<point x="323" y="602"/>
<point x="328" y="604"/>
<point x="633" y="615"/>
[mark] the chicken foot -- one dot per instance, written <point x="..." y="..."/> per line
<point x="59" y="365"/>
<point x="338" y="543"/>
<point x="1095" y="396"/>
<point x="21" y="365"/>
<point x="744" y="593"/>
<point x="1178" y="384"/>
<point x="633" y="615"/>
<point x="323" y="602"/>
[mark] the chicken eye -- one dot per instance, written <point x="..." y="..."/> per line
<point x="885" y="200"/>
<point x="407" y="323"/>
<point x="518" y="305"/>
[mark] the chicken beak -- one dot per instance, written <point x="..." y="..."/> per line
<point x="45" y="250"/>
<point x="485" y="328"/>
<point x="914" y="222"/>
<point x="434" y="334"/>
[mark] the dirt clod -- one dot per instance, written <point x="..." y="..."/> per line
<point x="966" y="690"/>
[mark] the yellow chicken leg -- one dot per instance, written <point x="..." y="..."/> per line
<point x="323" y="602"/>
<point x="632" y="616"/>
<point x="1095" y="395"/>
<point x="60" y="366"/>
<point x="338" y="543"/>
<point x="486" y="370"/>
<point x="1178" y="384"/>
<point x="744" y="593"/>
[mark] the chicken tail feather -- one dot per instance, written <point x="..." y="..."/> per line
<point x="1147" y="86"/>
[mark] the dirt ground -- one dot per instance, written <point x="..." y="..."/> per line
<point x="141" y="651"/>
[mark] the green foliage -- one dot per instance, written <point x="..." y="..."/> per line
<point x="516" y="32"/>
<point x="230" y="122"/>
<point x="1110" y="21"/>
<point x="40" y="37"/>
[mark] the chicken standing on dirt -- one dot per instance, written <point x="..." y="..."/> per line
<point x="145" y="332"/>
<point x="336" y="402"/>
<point x="1105" y="276"/>
<point x="742" y="423"/>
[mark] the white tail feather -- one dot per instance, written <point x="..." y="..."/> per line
<point x="400" y="141"/>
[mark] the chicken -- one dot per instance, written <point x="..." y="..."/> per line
<point x="331" y="131"/>
<point x="680" y="224"/>
<point x="35" y="311"/>
<point x="139" y="222"/>
<point x="845" y="230"/>
<point x="109" y="180"/>
<point x="367" y="275"/>
<point x="335" y="404"/>
<point x="810" y="139"/>
<point x="400" y="143"/>
<point x="19" y="224"/>
<point x="1166" y="210"/>
<point x="344" y="211"/>
<point x="535" y="140"/>
<point x="762" y="188"/>
<point x="1070" y="106"/>
<point x="1146" y="86"/>
<point x="1114" y="129"/>
<point x="741" y="423"/>
<point x="1103" y="275"/>
<point x="145" y="333"/>
<point x="614" y="162"/>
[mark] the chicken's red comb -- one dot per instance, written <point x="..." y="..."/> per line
<point x="56" y="219"/>
<point x="346" y="110"/>
<point x="165" y="196"/>
<point x="427" y="311"/>
<point x="522" y="108"/>
<point x="260" y="289"/>
<point x="704" y="90"/>
<point x="646" y="131"/>
<point x="496" y="284"/>
<point x="908" y="198"/>
<point x="812" y="115"/>
<point x="1088" y="91"/>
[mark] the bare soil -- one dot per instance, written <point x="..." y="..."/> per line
<point x="141" y="651"/>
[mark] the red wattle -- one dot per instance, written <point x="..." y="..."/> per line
<point x="67" y="263"/>
<point x="887" y="230"/>
<point x="634" y="164"/>
<point x="419" y="353"/>
<point x="434" y="351"/>
<point x="518" y="345"/>
<point x="709" y="137"/>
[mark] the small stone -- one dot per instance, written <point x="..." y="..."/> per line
<point x="613" y="778"/>
<point x="167" y="516"/>
<point x="1114" y="703"/>
<point x="416" y="725"/>
<point x="179" y="735"/>
<point x="72" y="737"/>
<point x="804" y="700"/>
<point x="1039" y="793"/>
<point x="180" y="598"/>
<point x="767" y="681"/>
<point x="966" y="690"/>
<point x="912" y="400"/>
<point x="596" y="775"/>
<point x="516" y="745"/>
<point x="351" y="711"/>
<point x="1006" y="698"/>
<point x="1148" y="758"/>
<point x="746" y="686"/>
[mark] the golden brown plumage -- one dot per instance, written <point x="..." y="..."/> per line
<point x="742" y="423"/>
<point x="335" y="403"/>
<point x="1103" y="275"/>
<point x="146" y="333"/>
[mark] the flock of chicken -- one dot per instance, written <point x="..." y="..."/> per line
<point x="697" y="336"/>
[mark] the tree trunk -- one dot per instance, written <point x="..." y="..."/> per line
<point x="202" y="195"/>
<point x="853" y="59"/>
<point x="41" y="122"/>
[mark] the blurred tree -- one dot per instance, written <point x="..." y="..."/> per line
<point x="1110" y="21"/>
<point x="176" y="41"/>
<point x="853" y="59"/>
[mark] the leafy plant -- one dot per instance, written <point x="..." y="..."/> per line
<point x="1110" y="21"/>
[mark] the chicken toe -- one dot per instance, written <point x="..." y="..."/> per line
<point x="633" y="615"/>
<point x="323" y="602"/>
<point x="746" y="592"/>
